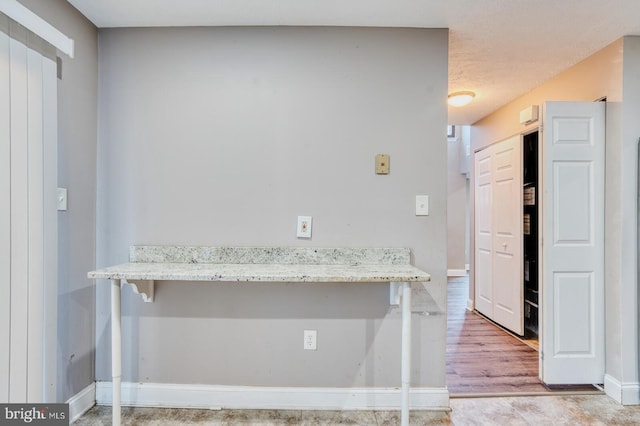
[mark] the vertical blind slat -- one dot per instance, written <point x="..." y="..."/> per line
<point x="5" y="218"/>
<point x="50" y="239"/>
<point x="19" y="222"/>
<point x="36" y="220"/>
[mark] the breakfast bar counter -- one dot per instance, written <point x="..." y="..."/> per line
<point x="262" y="264"/>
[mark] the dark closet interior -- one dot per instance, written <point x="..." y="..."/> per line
<point x="530" y="230"/>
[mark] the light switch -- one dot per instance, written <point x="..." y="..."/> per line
<point x="382" y="164"/>
<point x="62" y="199"/>
<point x="304" y="227"/>
<point x="422" y="205"/>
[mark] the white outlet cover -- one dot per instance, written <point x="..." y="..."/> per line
<point x="304" y="227"/>
<point x="310" y="340"/>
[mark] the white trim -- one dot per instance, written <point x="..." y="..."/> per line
<point x="37" y="25"/>
<point x="467" y="267"/>
<point x="281" y="398"/>
<point x="456" y="273"/>
<point x="82" y="402"/>
<point x="470" y="305"/>
<point x="623" y="393"/>
<point x="631" y="393"/>
<point x="613" y="388"/>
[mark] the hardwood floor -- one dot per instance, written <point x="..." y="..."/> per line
<point x="482" y="358"/>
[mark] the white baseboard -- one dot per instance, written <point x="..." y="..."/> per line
<point x="274" y="398"/>
<point x="456" y="273"/>
<point x="613" y="388"/>
<point x="623" y="393"/>
<point x="81" y="402"/>
<point x="470" y="305"/>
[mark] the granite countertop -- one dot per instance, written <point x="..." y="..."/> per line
<point x="262" y="272"/>
<point x="268" y="255"/>
<point x="267" y="264"/>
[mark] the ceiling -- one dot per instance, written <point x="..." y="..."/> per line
<point x="500" y="49"/>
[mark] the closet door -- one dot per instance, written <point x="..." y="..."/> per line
<point x="508" y="287"/>
<point x="572" y="338"/>
<point x="484" y="232"/>
<point x="498" y="233"/>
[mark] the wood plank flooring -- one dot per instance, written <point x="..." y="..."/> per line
<point x="482" y="358"/>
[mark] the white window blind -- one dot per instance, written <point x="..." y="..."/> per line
<point x="28" y="222"/>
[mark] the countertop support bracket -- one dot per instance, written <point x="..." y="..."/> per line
<point x="145" y="288"/>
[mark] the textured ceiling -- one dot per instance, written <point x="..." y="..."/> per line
<point x="500" y="49"/>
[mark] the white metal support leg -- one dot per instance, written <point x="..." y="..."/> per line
<point x="116" y="350"/>
<point x="406" y="352"/>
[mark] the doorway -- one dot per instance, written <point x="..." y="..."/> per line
<point x="570" y="133"/>
<point x="482" y="358"/>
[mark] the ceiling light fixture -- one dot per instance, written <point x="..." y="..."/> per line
<point x="458" y="99"/>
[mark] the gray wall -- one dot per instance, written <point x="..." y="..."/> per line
<point x="457" y="200"/>
<point x="625" y="221"/>
<point x="77" y="138"/>
<point x="223" y="136"/>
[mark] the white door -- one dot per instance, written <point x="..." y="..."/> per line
<point x="572" y="289"/>
<point x="508" y="288"/>
<point x="483" y="232"/>
<point x="498" y="234"/>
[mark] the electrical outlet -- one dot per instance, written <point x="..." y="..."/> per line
<point x="310" y="342"/>
<point x="304" y="227"/>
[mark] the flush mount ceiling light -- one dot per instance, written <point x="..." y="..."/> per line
<point x="458" y="99"/>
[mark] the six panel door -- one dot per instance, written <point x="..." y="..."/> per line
<point x="572" y="337"/>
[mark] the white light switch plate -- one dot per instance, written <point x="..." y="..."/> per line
<point x="62" y="199"/>
<point x="422" y="205"/>
<point x="304" y="227"/>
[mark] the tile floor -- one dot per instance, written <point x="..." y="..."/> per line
<point x="512" y="411"/>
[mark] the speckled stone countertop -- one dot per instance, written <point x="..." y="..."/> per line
<point x="266" y="264"/>
<point x="268" y="255"/>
